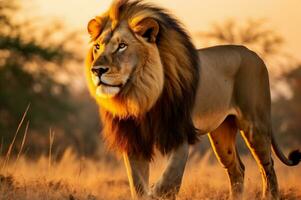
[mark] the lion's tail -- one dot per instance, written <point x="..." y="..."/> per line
<point x="293" y="159"/>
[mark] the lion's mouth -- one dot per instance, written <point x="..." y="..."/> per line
<point x="98" y="82"/>
<point x="104" y="88"/>
<point x="108" y="85"/>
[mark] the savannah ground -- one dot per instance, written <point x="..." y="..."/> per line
<point x="74" y="178"/>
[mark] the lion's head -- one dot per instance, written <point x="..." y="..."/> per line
<point x="126" y="70"/>
<point x="142" y="69"/>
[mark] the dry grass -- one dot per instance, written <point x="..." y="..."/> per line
<point x="73" y="178"/>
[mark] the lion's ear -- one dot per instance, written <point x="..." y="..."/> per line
<point x="94" y="28"/>
<point x="147" y="28"/>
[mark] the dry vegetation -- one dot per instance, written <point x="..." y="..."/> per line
<point x="79" y="178"/>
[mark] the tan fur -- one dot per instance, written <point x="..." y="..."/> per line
<point x="165" y="83"/>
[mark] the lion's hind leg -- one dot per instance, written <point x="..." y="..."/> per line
<point x="223" y="142"/>
<point x="258" y="139"/>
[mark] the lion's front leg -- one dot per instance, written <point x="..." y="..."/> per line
<point x="169" y="183"/>
<point x="138" y="175"/>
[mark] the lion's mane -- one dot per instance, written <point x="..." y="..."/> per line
<point x="168" y="123"/>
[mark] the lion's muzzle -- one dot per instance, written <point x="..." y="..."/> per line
<point x="105" y="88"/>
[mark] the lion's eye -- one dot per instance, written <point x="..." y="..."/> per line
<point x="122" y="47"/>
<point x="97" y="46"/>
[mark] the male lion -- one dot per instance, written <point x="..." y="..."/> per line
<point x="153" y="87"/>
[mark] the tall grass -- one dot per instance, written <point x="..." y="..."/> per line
<point x="51" y="141"/>
<point x="11" y="146"/>
<point x="80" y="178"/>
<point x="77" y="178"/>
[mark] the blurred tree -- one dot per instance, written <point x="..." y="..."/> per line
<point x="253" y="34"/>
<point x="287" y="111"/>
<point x="34" y="70"/>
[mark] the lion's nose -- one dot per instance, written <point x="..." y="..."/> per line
<point x="99" y="70"/>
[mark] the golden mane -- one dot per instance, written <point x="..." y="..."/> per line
<point x="168" y="122"/>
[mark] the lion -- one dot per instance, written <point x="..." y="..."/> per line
<point x="155" y="90"/>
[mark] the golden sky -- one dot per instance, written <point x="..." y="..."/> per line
<point x="282" y="16"/>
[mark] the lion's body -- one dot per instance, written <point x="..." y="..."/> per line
<point x="233" y="95"/>
<point x="153" y="88"/>
<point x="214" y="105"/>
<point x="233" y="81"/>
